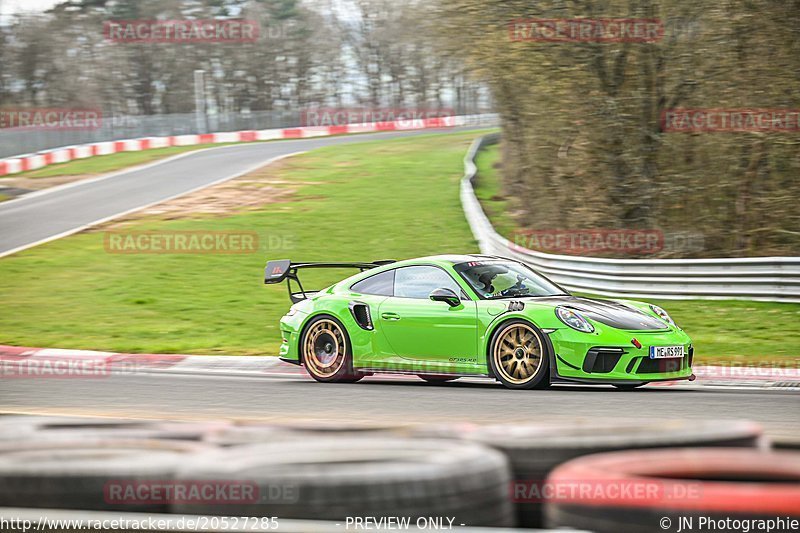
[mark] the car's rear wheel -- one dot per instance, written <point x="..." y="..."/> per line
<point x="519" y="356"/>
<point x="325" y="348"/>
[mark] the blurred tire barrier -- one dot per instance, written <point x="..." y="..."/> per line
<point x="43" y="428"/>
<point x="683" y="488"/>
<point x="774" y="279"/>
<point x="76" y="474"/>
<point x="336" y="478"/>
<point x="786" y="443"/>
<point x="266" y="433"/>
<point x="535" y="449"/>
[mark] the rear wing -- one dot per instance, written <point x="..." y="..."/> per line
<point x="285" y="270"/>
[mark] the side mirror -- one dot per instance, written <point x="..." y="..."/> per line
<point x="447" y="296"/>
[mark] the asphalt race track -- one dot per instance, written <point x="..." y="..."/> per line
<point x="386" y="399"/>
<point x="58" y="212"/>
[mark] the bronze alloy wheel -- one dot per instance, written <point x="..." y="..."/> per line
<point x="325" y="350"/>
<point x="519" y="358"/>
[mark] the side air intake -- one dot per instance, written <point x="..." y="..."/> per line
<point x="362" y="316"/>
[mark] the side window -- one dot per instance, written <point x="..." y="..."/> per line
<point x="420" y="281"/>
<point x="379" y="284"/>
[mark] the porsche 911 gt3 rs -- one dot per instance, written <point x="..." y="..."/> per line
<point x="450" y="316"/>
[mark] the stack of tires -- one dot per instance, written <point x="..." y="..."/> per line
<point x="534" y="450"/>
<point x="295" y="471"/>
<point x="586" y="474"/>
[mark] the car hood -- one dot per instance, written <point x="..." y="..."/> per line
<point x="610" y="313"/>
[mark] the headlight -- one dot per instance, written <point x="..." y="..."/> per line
<point x="573" y="319"/>
<point x="662" y="314"/>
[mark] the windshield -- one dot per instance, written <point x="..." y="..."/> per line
<point x="506" y="279"/>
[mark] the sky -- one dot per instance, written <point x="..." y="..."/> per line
<point x="21" y="6"/>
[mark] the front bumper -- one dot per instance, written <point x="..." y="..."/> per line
<point x="609" y="355"/>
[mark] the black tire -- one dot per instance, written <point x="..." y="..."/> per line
<point x="535" y="449"/>
<point x="80" y="474"/>
<point x="267" y="433"/>
<point x="328" y="355"/>
<point x="757" y="485"/>
<point x="333" y="478"/>
<point x="524" y="353"/>
<point x="433" y="378"/>
<point x="50" y="428"/>
<point x="629" y="386"/>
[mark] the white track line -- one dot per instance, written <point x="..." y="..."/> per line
<point x="139" y="208"/>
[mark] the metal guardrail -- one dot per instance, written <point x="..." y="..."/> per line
<point x="772" y="279"/>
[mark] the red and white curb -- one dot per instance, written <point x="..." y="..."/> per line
<point x="31" y="363"/>
<point x="27" y="162"/>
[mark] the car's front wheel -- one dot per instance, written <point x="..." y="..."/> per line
<point x="326" y="352"/>
<point x="519" y="356"/>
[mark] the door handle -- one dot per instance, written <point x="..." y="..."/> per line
<point x="390" y="316"/>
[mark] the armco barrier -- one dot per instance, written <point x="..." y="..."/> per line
<point x="774" y="279"/>
<point x="24" y="163"/>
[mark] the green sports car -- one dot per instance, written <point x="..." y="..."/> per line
<point x="450" y="316"/>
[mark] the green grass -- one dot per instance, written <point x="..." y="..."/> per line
<point x="489" y="192"/>
<point x="4" y="197"/>
<point x="737" y="330"/>
<point x="387" y="199"/>
<point x="722" y="330"/>
<point x="108" y="163"/>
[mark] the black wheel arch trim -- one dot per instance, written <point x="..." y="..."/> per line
<point x="503" y="319"/>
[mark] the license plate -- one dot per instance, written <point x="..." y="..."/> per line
<point x="666" y="352"/>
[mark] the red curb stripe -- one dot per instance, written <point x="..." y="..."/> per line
<point x="94" y="149"/>
<point x="674" y="468"/>
<point x="293" y="133"/>
<point x="338" y="130"/>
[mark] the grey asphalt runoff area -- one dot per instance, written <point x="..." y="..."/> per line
<point x="386" y="400"/>
<point x="58" y="212"/>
